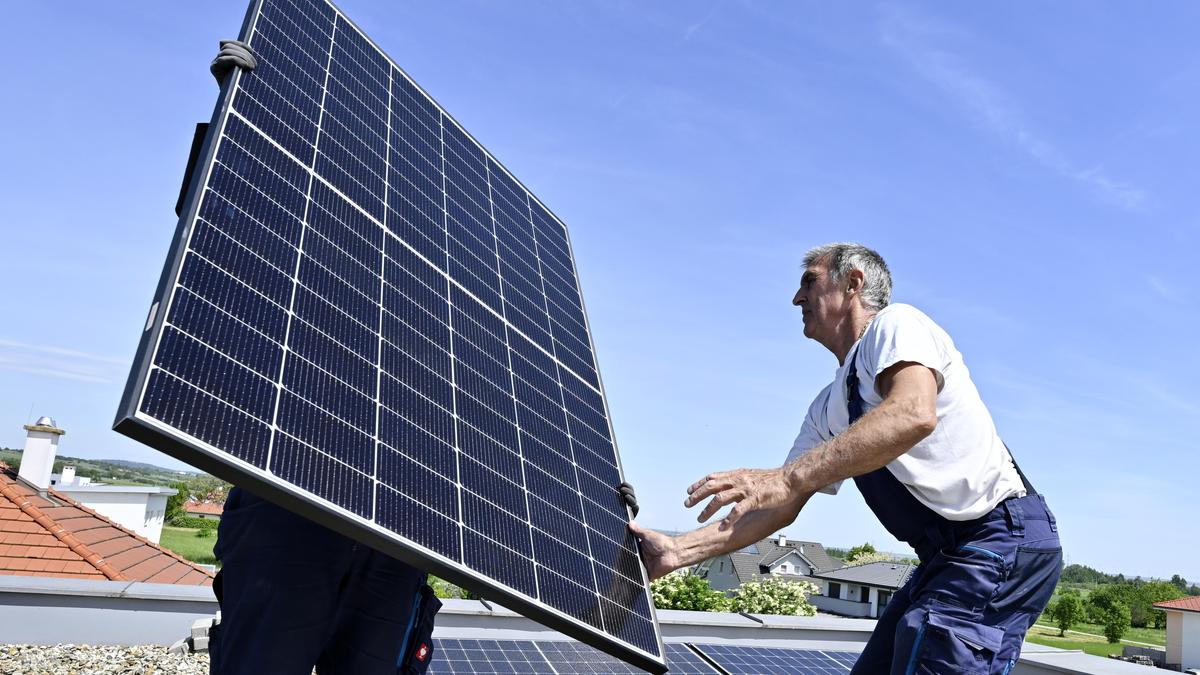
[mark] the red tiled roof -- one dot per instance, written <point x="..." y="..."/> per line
<point x="1191" y="604"/>
<point x="53" y="535"/>
<point x="207" y="508"/>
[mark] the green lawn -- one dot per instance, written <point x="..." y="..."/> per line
<point x="1154" y="636"/>
<point x="183" y="540"/>
<point x="1045" y="635"/>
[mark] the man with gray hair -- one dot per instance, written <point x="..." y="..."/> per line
<point x="904" y="420"/>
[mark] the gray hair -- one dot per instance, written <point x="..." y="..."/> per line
<point x="840" y="258"/>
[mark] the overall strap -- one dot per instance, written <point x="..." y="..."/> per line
<point x="854" y="404"/>
<point x="900" y="513"/>
<point x="1025" y="481"/>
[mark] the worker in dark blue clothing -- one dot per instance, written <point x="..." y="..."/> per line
<point x="904" y="420"/>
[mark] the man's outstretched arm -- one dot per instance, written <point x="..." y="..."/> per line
<point x="772" y="498"/>
<point x="907" y="415"/>
<point x="663" y="553"/>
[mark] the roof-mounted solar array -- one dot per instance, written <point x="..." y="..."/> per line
<point x="560" y="657"/>
<point x="548" y="657"/>
<point x="748" y="660"/>
<point x="366" y="318"/>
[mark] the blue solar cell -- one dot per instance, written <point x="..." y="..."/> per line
<point x="558" y="658"/>
<point x="741" y="659"/>
<point x="488" y="656"/>
<point x="366" y="307"/>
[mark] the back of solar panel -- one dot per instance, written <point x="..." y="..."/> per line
<point x="365" y="318"/>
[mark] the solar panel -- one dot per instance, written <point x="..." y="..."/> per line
<point x="487" y="656"/>
<point x="523" y="656"/>
<point x="573" y="657"/>
<point x="745" y="660"/>
<point x="368" y="319"/>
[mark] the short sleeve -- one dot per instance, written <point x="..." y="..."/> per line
<point x="811" y="434"/>
<point x="902" y="334"/>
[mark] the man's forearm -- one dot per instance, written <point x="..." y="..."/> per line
<point x="879" y="437"/>
<point x="706" y="542"/>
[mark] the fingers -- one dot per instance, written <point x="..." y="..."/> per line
<point x="716" y="482"/>
<point x="735" y="514"/>
<point x="630" y="498"/>
<point x="233" y="54"/>
<point x="719" y="501"/>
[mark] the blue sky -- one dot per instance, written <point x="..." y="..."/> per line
<point x="1028" y="171"/>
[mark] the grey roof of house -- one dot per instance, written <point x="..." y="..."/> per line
<point x="745" y="566"/>
<point x="881" y="574"/>
<point x="811" y="551"/>
<point x="748" y="566"/>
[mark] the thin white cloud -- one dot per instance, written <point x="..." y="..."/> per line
<point x="60" y="351"/>
<point x="58" y="362"/>
<point x="1162" y="288"/>
<point x="989" y="106"/>
<point x="691" y="29"/>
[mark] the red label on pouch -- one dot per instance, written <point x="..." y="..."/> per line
<point x="422" y="652"/>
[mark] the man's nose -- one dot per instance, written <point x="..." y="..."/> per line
<point x="797" y="299"/>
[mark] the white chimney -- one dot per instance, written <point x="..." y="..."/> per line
<point x="41" y="447"/>
<point x="782" y="539"/>
<point x="68" y="476"/>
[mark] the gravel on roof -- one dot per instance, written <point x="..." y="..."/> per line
<point x="79" y="659"/>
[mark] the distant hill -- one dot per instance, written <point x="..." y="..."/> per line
<point x="142" y="466"/>
<point x="111" y="471"/>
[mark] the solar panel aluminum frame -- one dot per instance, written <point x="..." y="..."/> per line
<point x="139" y="426"/>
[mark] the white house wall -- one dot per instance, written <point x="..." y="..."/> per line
<point x="791" y="564"/>
<point x="1189" y="640"/>
<point x="721" y="575"/>
<point x="138" y="511"/>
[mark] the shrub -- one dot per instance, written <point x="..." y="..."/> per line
<point x="775" y="596"/>
<point x="445" y="589"/>
<point x="680" y="590"/>
<point x="194" y="522"/>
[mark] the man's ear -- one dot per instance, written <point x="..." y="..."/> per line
<point x="855" y="281"/>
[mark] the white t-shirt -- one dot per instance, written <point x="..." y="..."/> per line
<point x="962" y="469"/>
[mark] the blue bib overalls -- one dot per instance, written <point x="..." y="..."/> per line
<point x="980" y="585"/>
<point x="294" y="594"/>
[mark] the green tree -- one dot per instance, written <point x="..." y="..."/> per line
<point x="1160" y="591"/>
<point x="1115" y="618"/>
<point x="680" y="590"/>
<point x="1068" y="611"/>
<point x="859" y="550"/>
<point x="1101" y="600"/>
<point x="775" y="596"/>
<point x="866" y="557"/>
<point x="176" y="501"/>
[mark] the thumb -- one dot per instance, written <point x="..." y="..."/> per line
<point x="637" y="529"/>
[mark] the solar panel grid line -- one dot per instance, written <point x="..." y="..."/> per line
<point x="321" y="272"/>
<point x="520" y="448"/>
<point x="375" y="474"/>
<point x="450" y="338"/>
<point x="299" y="261"/>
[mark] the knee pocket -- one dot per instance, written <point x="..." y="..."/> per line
<point x="949" y="644"/>
<point x="417" y="650"/>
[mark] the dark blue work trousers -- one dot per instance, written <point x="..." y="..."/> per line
<point x="968" y="605"/>
<point x="295" y="594"/>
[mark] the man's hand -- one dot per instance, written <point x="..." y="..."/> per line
<point x="748" y="489"/>
<point x="233" y="54"/>
<point x="629" y="496"/>
<point x="659" y="551"/>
